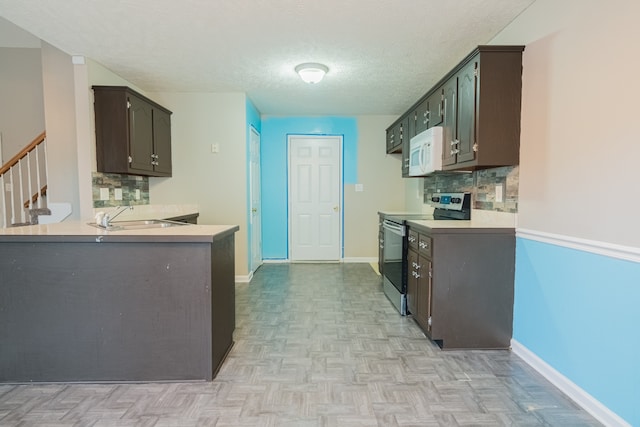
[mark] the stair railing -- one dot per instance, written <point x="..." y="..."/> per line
<point x="23" y="183"/>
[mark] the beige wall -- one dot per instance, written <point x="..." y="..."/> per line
<point x="216" y="182"/>
<point x="579" y="143"/>
<point x="22" y="105"/>
<point x="380" y="175"/>
<point x="60" y="123"/>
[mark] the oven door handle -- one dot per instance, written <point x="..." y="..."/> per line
<point x="393" y="227"/>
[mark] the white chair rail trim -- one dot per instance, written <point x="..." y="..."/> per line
<point x="628" y="253"/>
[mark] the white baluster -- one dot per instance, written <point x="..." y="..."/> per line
<point x="29" y="185"/>
<point x="46" y="165"/>
<point x="4" y="202"/>
<point x="38" y="178"/>
<point x="13" y="193"/>
<point x="21" y="193"/>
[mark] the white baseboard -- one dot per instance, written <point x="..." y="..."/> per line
<point x="350" y="259"/>
<point x="577" y="394"/>
<point x="360" y="259"/>
<point x="245" y="278"/>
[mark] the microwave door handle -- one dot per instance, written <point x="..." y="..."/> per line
<point x="423" y="158"/>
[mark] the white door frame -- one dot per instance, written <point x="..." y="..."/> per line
<point x="340" y="237"/>
<point x="255" y="202"/>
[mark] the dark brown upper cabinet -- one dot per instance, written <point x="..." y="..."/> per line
<point x="478" y="105"/>
<point x="133" y="133"/>
<point x="482" y="110"/>
<point x="396" y="134"/>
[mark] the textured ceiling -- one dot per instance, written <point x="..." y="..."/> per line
<point x="382" y="54"/>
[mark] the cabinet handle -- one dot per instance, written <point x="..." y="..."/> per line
<point x="423" y="245"/>
<point x="453" y="99"/>
<point x="456" y="151"/>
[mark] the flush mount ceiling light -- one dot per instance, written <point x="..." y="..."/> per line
<point x="311" y="72"/>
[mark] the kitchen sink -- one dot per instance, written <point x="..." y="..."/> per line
<point x="138" y="224"/>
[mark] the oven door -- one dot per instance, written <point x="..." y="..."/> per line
<point x="393" y="254"/>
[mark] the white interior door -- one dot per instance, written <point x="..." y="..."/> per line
<point x="315" y="196"/>
<point x="255" y="214"/>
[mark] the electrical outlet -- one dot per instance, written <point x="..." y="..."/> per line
<point x="359" y="187"/>
<point x="7" y="188"/>
<point x="104" y="194"/>
<point x="117" y="193"/>
<point x="137" y="194"/>
<point x="215" y="148"/>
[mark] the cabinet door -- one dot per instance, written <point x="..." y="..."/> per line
<point x="412" y="283"/>
<point x="435" y="111"/>
<point x="424" y="293"/>
<point x="467" y="108"/>
<point x="140" y="134"/>
<point x="162" y="142"/>
<point x="406" y="148"/>
<point x="403" y="134"/>
<point x="422" y="116"/>
<point x="449" y="121"/>
<point x="380" y="251"/>
<point x="392" y="138"/>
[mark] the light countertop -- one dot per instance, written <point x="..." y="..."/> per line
<point x="77" y="231"/>
<point x="480" y="219"/>
<point x="460" y="226"/>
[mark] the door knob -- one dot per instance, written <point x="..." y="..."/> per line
<point x="336" y="208"/>
<point x="254" y="210"/>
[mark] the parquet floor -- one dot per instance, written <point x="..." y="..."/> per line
<point x="316" y="345"/>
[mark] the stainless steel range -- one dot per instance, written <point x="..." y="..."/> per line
<point x="448" y="206"/>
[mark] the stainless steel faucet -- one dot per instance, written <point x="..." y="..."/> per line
<point x="109" y="216"/>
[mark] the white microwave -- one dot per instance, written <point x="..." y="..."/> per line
<point x="425" y="152"/>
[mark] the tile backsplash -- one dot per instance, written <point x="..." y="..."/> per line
<point x="482" y="186"/>
<point x="134" y="189"/>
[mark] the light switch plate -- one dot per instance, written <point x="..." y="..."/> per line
<point x="104" y="194"/>
<point x="359" y="187"/>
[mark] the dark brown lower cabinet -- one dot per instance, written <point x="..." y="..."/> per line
<point x="115" y="308"/>
<point x="460" y="285"/>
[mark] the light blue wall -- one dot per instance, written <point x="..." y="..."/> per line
<point x="253" y="120"/>
<point x="580" y="313"/>
<point x="275" y="131"/>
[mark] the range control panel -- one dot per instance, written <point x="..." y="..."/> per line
<point x="451" y="201"/>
